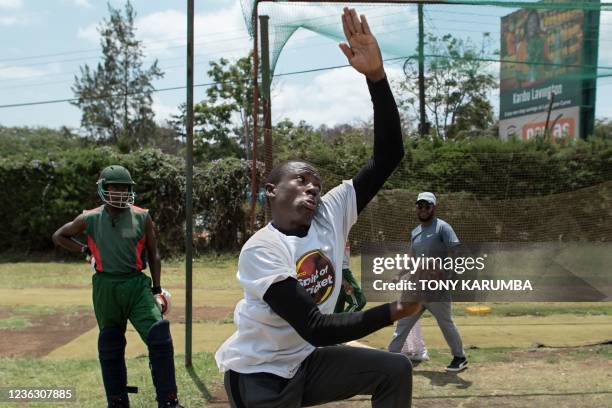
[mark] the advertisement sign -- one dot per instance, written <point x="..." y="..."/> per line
<point x="543" y="56"/>
<point x="563" y="123"/>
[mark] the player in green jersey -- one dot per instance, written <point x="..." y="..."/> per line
<point x="120" y="238"/>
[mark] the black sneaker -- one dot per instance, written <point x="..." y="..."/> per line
<point x="458" y="364"/>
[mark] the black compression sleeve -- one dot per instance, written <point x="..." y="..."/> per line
<point x="388" y="145"/>
<point x="290" y="301"/>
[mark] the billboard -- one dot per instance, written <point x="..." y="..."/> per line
<point x="548" y="53"/>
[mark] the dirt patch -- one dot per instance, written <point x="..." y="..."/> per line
<point x="5" y="313"/>
<point x="45" y="333"/>
<point x="543" y="352"/>
<point x="201" y="314"/>
<point x="218" y="397"/>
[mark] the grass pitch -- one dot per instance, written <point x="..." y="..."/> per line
<point x="508" y="365"/>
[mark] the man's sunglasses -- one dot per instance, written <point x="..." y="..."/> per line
<point x="425" y="205"/>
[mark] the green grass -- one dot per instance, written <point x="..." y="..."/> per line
<point x="478" y="356"/>
<point x="604" y="352"/>
<point x="212" y="272"/>
<point x="21" y="316"/>
<point x="196" y="386"/>
<point x="14" y="323"/>
<point x="539" y="308"/>
<point x="218" y="273"/>
<point x="45" y="310"/>
<point x="48" y="310"/>
<point x="552" y="360"/>
<point x="216" y="285"/>
<point x="83" y="375"/>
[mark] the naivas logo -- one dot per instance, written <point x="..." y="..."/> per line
<point x="315" y="273"/>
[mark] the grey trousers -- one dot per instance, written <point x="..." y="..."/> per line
<point x="329" y="374"/>
<point x="442" y="313"/>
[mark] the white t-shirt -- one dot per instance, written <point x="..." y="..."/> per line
<point x="264" y="341"/>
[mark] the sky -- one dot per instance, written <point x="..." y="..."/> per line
<point x="44" y="42"/>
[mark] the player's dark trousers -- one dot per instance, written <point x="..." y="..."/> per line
<point x="329" y="374"/>
<point x="117" y="299"/>
<point x="442" y="313"/>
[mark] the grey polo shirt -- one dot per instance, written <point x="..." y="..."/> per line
<point x="434" y="240"/>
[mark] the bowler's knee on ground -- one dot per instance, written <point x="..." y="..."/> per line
<point x="329" y="374"/>
<point x="340" y="372"/>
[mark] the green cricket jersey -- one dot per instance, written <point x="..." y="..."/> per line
<point x="117" y="246"/>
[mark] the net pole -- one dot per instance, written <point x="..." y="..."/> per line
<point x="267" y="106"/>
<point x="189" y="188"/>
<point x="590" y="51"/>
<point x="550" y="106"/>
<point x="255" y="111"/>
<point x="422" y="114"/>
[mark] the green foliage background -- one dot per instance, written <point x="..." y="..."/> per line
<point x="44" y="193"/>
<point x="50" y="177"/>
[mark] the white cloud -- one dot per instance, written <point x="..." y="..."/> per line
<point x="11" y="4"/>
<point x="214" y="32"/>
<point x="21" y="72"/>
<point x="332" y="97"/>
<point x="79" y="3"/>
<point x="604" y="85"/>
<point x="83" y="3"/>
<point x="605" y="52"/>
<point x="8" y="21"/>
<point x="163" y="112"/>
<point x="89" y="33"/>
<point x="17" y="20"/>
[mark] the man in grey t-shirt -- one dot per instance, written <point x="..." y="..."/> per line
<point x="433" y="237"/>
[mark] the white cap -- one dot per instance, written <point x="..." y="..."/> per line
<point x="427" y="196"/>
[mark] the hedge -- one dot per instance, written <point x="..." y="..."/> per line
<point x="42" y="194"/>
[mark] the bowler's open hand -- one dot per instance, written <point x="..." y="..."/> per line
<point x="362" y="50"/>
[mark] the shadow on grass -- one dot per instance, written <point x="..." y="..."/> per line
<point x="441" y="379"/>
<point x="200" y="384"/>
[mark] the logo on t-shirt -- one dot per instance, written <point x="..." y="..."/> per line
<point x="315" y="273"/>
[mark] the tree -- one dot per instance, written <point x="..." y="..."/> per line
<point x="223" y="122"/>
<point x="115" y="97"/>
<point x="456" y="86"/>
<point x="603" y="128"/>
<point x="37" y="142"/>
<point x="166" y="139"/>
